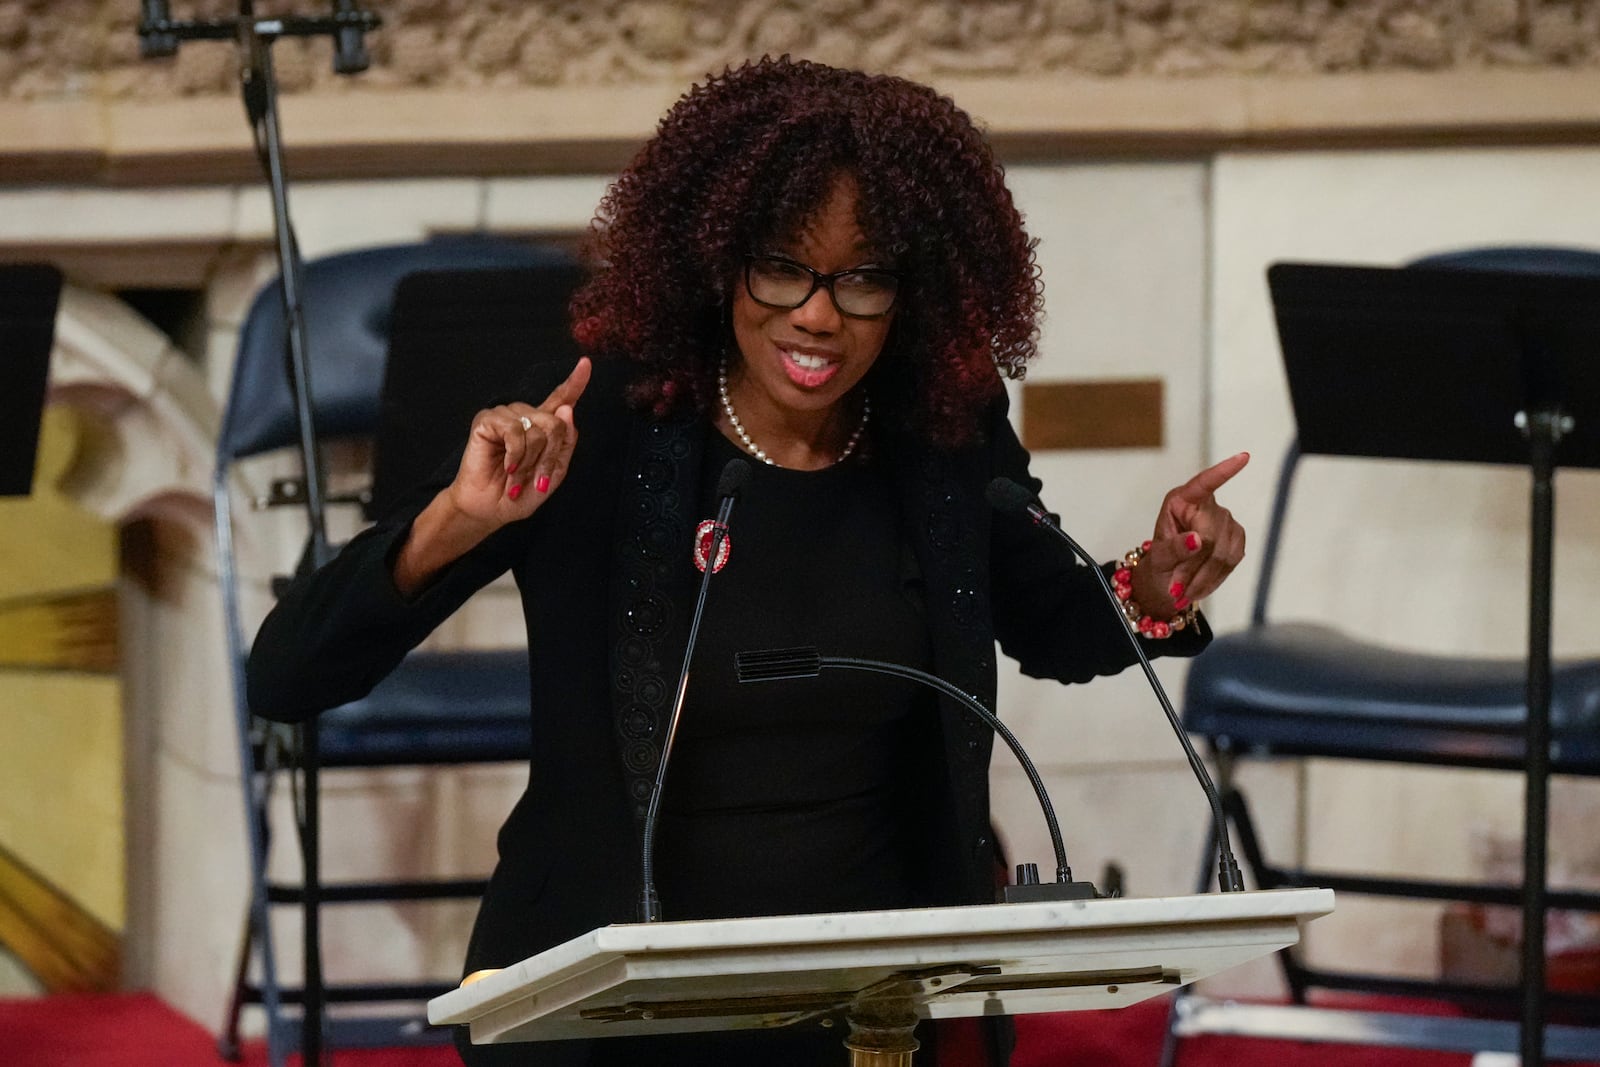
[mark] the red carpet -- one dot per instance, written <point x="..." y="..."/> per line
<point x="136" y="1030"/>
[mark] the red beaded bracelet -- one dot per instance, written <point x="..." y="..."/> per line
<point x="1138" y="621"/>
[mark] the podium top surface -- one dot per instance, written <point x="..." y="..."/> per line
<point x="807" y="969"/>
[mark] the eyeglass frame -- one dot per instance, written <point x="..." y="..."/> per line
<point x="821" y="281"/>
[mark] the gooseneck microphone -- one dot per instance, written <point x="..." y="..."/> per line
<point x="780" y="664"/>
<point x="729" y="485"/>
<point x="1007" y="496"/>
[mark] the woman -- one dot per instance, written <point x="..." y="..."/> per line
<point x="823" y="272"/>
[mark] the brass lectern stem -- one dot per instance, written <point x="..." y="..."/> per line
<point x="880" y="1032"/>
<point x="861" y="1057"/>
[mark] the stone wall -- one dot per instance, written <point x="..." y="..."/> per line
<point x="66" y="48"/>
<point x="477" y="87"/>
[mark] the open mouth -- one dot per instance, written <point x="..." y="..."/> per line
<point x="807" y="369"/>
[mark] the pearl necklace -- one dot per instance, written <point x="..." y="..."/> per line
<point x="755" y="449"/>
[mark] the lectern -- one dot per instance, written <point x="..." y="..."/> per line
<point x="873" y="975"/>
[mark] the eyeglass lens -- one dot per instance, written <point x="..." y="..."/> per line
<point x="781" y="283"/>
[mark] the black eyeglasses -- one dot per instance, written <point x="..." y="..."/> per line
<point x="860" y="293"/>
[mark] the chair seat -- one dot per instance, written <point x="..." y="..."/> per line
<point x="1309" y="690"/>
<point x="436" y="708"/>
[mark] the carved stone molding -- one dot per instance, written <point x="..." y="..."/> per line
<point x="89" y="46"/>
<point x="508" y="86"/>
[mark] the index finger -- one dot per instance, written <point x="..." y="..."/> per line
<point x="570" y="390"/>
<point x="1215" y="477"/>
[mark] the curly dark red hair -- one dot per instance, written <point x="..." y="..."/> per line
<point x="747" y="159"/>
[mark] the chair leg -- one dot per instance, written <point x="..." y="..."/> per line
<point x="228" y="1040"/>
<point x="313" y="1006"/>
<point x="258" y="788"/>
<point x="1266" y="877"/>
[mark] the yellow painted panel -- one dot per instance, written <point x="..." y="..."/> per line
<point x="48" y="544"/>
<point x="61" y="781"/>
<point x="49" y="933"/>
<point x="74" y="633"/>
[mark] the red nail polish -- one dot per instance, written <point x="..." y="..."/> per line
<point x="1192" y="542"/>
<point x="1181" y="603"/>
<point x="542" y="484"/>
<point x="514" y="492"/>
<point x="1176" y="591"/>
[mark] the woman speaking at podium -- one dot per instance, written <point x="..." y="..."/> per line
<point x="822" y="272"/>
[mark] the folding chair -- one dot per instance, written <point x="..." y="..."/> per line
<point x="437" y="708"/>
<point x="1292" y="689"/>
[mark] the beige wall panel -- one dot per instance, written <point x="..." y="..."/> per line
<point x="190" y="918"/>
<point x="1121" y="247"/>
<point x="334" y="217"/>
<point x="552" y="204"/>
<point x="71" y="214"/>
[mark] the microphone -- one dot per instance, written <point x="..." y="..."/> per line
<point x="780" y="664"/>
<point x="349" y="40"/>
<point x="155" y="40"/>
<point x="729" y="485"/>
<point x="1007" y="496"/>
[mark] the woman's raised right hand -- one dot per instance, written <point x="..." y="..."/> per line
<point x="516" y="456"/>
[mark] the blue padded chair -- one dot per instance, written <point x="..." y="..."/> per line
<point x="1309" y="690"/>
<point x="436" y="708"/>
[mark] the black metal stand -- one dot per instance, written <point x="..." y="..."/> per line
<point x="160" y="36"/>
<point x="1544" y="430"/>
<point x="1464" y="365"/>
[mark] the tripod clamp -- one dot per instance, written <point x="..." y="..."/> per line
<point x="160" y="34"/>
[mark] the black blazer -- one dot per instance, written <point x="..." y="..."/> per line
<point x="607" y="585"/>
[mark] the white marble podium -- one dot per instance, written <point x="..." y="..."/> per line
<point x="876" y="971"/>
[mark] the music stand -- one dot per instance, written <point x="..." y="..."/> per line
<point x="1374" y="358"/>
<point x="458" y="341"/>
<point x="876" y="972"/>
<point x="29" y="294"/>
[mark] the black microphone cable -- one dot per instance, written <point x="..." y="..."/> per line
<point x="1007" y="496"/>
<point x="729" y="485"/>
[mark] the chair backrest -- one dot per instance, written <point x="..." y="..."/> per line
<point x="1529" y="259"/>
<point x="346" y="300"/>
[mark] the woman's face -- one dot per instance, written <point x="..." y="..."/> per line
<point x="807" y="359"/>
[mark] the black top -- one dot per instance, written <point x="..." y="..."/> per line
<point x="796" y="796"/>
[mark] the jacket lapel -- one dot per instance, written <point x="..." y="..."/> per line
<point x="947" y="521"/>
<point x="651" y="584"/>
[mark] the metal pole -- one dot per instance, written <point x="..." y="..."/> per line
<point x="159" y="36"/>
<point x="1544" y="429"/>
